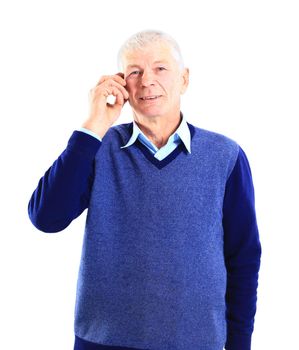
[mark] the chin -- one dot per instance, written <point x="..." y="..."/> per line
<point x="152" y="111"/>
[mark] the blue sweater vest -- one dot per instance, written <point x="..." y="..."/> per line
<point x="171" y="251"/>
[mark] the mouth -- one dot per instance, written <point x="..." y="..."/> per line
<point x="150" y="98"/>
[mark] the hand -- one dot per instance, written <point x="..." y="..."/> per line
<point x="103" y="114"/>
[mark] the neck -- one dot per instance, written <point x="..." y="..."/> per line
<point x="158" y="129"/>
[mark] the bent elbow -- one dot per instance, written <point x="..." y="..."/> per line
<point x="43" y="221"/>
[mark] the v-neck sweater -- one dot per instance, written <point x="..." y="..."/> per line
<point x="171" y="249"/>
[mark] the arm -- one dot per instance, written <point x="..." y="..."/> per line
<point x="63" y="192"/>
<point x="242" y="251"/>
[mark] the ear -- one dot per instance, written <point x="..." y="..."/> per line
<point x="185" y="80"/>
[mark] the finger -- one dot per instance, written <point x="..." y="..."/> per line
<point x="119" y="98"/>
<point x="116" y="93"/>
<point x="123" y="90"/>
<point x="122" y="75"/>
<point x="110" y="88"/>
<point x="119" y="77"/>
<point x="111" y="83"/>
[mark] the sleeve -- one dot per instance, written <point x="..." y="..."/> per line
<point x="242" y="252"/>
<point x="63" y="192"/>
<point x="91" y="133"/>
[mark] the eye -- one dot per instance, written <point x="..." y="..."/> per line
<point x="135" y="71"/>
<point x="161" y="68"/>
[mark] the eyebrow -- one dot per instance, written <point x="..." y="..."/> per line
<point x="136" y="65"/>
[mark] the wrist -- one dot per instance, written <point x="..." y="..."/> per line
<point x="99" y="129"/>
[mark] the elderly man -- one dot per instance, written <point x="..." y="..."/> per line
<point x="171" y="249"/>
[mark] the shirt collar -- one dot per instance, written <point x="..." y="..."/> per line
<point x="182" y="132"/>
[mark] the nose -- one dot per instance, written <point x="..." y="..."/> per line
<point x="147" y="78"/>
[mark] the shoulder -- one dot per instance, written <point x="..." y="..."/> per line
<point x="121" y="128"/>
<point x="212" y="138"/>
<point x="215" y="146"/>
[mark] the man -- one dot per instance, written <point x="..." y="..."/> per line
<point x="171" y="250"/>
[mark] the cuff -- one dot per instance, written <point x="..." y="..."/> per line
<point x="91" y="133"/>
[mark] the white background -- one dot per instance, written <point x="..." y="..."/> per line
<point x="244" y="82"/>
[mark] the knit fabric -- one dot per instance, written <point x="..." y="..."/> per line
<point x="171" y="251"/>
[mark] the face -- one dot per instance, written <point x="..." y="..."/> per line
<point x="153" y="72"/>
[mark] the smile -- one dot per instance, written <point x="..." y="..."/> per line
<point x="146" y="98"/>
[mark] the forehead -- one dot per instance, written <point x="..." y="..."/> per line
<point x="152" y="53"/>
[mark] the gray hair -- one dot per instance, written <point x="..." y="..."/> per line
<point x="145" y="37"/>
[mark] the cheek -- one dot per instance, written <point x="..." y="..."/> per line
<point x="170" y="85"/>
<point x="174" y="90"/>
<point x="130" y="87"/>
